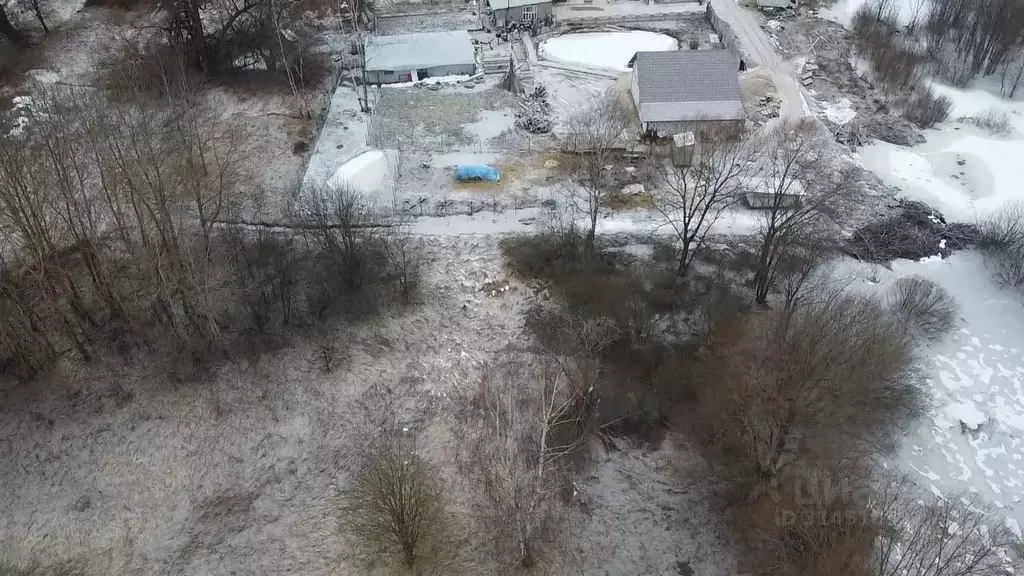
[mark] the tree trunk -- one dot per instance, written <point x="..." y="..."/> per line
<point x="197" y="40"/>
<point x="38" y="11"/>
<point x="7" y="29"/>
<point x="761" y="277"/>
<point x="270" y="31"/>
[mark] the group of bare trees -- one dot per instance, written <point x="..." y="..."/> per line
<point x="976" y="37"/>
<point x="110" y="215"/>
<point x="963" y="38"/>
<point x="797" y="186"/>
<point x="899" y="63"/>
<point x="214" y="35"/>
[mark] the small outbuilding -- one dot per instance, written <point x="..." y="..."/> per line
<point x="766" y="193"/>
<point x="792" y="4"/>
<point x="507" y="12"/>
<point x="413" y="57"/>
<point x="686" y="91"/>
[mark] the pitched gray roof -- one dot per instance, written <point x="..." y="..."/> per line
<point x="684" y="85"/>
<point x="420" y="50"/>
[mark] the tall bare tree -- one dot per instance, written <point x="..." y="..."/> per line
<point x="802" y="187"/>
<point x="525" y="425"/>
<point x="691" y="198"/>
<point x="593" y="137"/>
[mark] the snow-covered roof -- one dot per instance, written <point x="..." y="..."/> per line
<point x="506" y="4"/>
<point x="419" y="50"/>
<point x="688" y="85"/>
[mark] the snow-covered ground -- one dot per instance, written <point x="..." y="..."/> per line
<point x="842" y="11"/>
<point x="963" y="171"/>
<point x="604" y="50"/>
<point x="972" y="437"/>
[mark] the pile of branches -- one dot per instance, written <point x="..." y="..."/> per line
<point x="915" y="231"/>
<point x="535" y="115"/>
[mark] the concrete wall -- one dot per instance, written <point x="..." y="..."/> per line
<point x="502" y="18"/>
<point x="727" y="36"/>
<point x="634" y="90"/>
<point x="394" y="76"/>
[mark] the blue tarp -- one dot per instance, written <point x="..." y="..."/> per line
<point x="466" y="172"/>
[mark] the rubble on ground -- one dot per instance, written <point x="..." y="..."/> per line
<point x="534" y="115"/>
<point x="916" y="231"/>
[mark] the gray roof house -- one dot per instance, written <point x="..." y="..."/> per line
<point x="675" y="91"/>
<point x="412" y="57"/>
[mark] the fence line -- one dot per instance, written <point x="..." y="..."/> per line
<point x="626" y="18"/>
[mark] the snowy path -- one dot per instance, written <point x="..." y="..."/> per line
<point x="760" y="47"/>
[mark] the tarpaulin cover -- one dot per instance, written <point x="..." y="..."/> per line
<point x="466" y="172"/>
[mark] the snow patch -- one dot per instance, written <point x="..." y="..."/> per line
<point x="967" y="413"/>
<point x="605" y="50"/>
<point x="453" y="79"/>
<point x="843" y="10"/>
<point x="363" y="174"/>
<point x="491" y="124"/>
<point x="839" y="112"/>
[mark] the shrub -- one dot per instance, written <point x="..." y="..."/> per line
<point x="1002" y="240"/>
<point x="925" y="306"/>
<point x="547" y="255"/>
<point x="994" y="120"/>
<point x="926" y="109"/>
<point x="895" y="64"/>
<point x="1004" y="228"/>
<point x="921" y="535"/>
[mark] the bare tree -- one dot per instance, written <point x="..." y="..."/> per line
<point x="340" y="223"/>
<point x="405" y="262"/>
<point x="801" y="185"/>
<point x="693" y="197"/>
<point x="35" y="7"/>
<point x="593" y="136"/>
<point x="394" y="500"/>
<point x="833" y="381"/>
<point x="525" y="425"/>
<point x="800" y="276"/>
<point x="921" y="535"/>
<point x="1002" y="240"/>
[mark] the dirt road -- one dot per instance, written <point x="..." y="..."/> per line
<point x="759" y="47"/>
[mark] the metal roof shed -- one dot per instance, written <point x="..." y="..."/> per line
<point x="422" y="50"/>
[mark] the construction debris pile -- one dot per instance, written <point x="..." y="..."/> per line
<point x="913" y="232"/>
<point x="534" y="114"/>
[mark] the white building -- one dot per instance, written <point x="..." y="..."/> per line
<point x="412" y="57"/>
